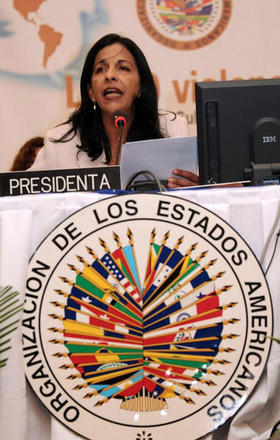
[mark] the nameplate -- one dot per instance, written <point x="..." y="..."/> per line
<point x="59" y="181"/>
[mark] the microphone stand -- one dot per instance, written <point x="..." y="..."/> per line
<point x="119" y="144"/>
<point x="119" y="119"/>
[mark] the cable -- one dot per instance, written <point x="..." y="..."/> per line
<point x="270" y="236"/>
<point x="273" y="253"/>
<point x="158" y="183"/>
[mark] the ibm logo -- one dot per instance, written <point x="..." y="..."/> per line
<point x="269" y="139"/>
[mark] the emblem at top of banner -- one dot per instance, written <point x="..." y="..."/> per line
<point x="145" y="312"/>
<point x="184" y="25"/>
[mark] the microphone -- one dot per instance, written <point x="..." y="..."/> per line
<point x="119" y="119"/>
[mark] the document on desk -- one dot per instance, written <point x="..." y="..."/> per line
<point x="159" y="156"/>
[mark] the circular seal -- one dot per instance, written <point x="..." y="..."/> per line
<point x="146" y="314"/>
<point x="184" y="25"/>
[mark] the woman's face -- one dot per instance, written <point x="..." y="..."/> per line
<point x="115" y="80"/>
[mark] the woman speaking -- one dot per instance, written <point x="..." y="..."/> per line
<point x="116" y="81"/>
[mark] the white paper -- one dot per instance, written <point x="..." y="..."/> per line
<point x="159" y="156"/>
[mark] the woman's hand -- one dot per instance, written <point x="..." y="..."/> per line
<point x="185" y="178"/>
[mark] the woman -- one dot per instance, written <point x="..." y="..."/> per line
<point x="115" y="77"/>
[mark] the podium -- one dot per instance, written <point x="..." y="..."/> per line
<point x="26" y="220"/>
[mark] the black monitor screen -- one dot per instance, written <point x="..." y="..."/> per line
<point x="238" y="122"/>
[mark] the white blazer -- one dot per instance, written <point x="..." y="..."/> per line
<point x="58" y="155"/>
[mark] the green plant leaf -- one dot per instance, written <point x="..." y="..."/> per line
<point x="274" y="435"/>
<point x="9" y="307"/>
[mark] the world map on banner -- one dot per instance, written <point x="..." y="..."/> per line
<point x="50" y="50"/>
<point x="142" y="312"/>
<point x="49" y="36"/>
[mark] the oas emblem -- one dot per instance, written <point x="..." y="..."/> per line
<point x="184" y="24"/>
<point x="147" y="315"/>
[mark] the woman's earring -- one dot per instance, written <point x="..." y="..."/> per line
<point x="94" y="105"/>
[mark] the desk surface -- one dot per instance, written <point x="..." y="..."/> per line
<point x="26" y="220"/>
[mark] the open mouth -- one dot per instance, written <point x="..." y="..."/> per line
<point x="112" y="92"/>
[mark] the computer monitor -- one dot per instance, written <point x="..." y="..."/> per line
<point x="238" y="130"/>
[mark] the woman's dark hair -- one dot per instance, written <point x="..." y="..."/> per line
<point x="88" y="121"/>
<point x="27" y="154"/>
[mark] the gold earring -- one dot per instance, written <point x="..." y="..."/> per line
<point x="94" y="105"/>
